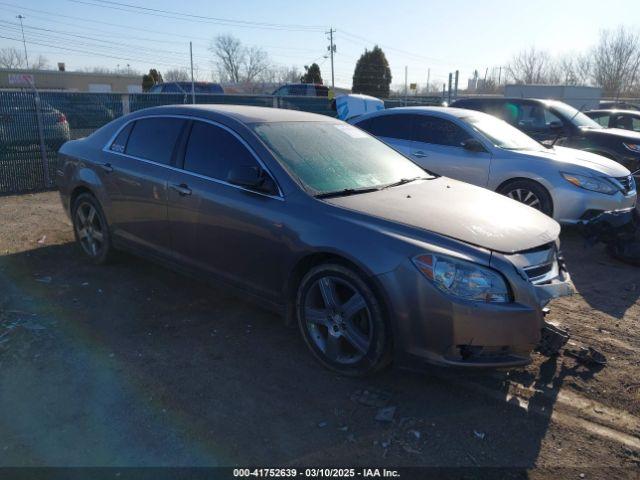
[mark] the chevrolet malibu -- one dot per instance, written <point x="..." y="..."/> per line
<point x="374" y="258"/>
<point x="569" y="185"/>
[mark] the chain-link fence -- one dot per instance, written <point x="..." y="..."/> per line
<point x="33" y="125"/>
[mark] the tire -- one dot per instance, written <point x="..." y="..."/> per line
<point x="91" y="229"/>
<point x="536" y="195"/>
<point x="342" y="321"/>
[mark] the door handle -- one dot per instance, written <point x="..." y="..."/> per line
<point x="106" y="167"/>
<point x="183" y="189"/>
<point x="419" y="154"/>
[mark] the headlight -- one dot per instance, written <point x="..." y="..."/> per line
<point x="594" y="184"/>
<point x="634" y="147"/>
<point x="462" y="279"/>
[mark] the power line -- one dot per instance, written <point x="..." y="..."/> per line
<point x="198" y="18"/>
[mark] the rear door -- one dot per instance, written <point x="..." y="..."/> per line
<point x="393" y="129"/>
<point x="136" y="177"/>
<point x="232" y="233"/>
<point x="438" y="141"/>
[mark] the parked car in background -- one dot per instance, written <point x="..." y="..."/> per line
<point x="83" y="111"/>
<point x="302" y="90"/>
<point x="373" y="257"/>
<point x="557" y="123"/>
<point x="618" y="105"/>
<point x="624" y="119"/>
<point x="19" y="126"/>
<point x="569" y="185"/>
<point x="185" y="87"/>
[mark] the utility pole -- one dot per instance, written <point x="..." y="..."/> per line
<point x="428" y="79"/>
<point x="26" y="57"/>
<point x="332" y="50"/>
<point x="450" y="80"/>
<point x="406" y="70"/>
<point x="499" y="75"/>
<point x="193" y="85"/>
<point x="455" y="88"/>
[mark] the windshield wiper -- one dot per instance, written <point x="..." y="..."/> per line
<point x="402" y="181"/>
<point x="346" y="192"/>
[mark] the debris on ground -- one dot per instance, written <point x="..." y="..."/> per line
<point x="479" y="435"/>
<point x="322" y="424"/>
<point x="371" y="397"/>
<point x="588" y="356"/>
<point x="552" y="339"/>
<point x="46" y="279"/>
<point x="42" y="239"/>
<point x="386" y="414"/>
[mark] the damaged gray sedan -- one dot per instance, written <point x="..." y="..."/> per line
<point x="374" y="258"/>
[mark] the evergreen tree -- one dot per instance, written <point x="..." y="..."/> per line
<point x="312" y="74"/>
<point x="372" y="75"/>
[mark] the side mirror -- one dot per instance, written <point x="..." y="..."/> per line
<point x="555" y="125"/>
<point x="472" y="145"/>
<point x="251" y="177"/>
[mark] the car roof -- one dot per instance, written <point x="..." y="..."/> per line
<point x="240" y="113"/>
<point x="438" y="111"/>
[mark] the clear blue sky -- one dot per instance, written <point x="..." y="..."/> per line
<point x="440" y="35"/>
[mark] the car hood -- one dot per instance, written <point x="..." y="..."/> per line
<point x="582" y="159"/>
<point x="458" y="210"/>
<point x="629" y="135"/>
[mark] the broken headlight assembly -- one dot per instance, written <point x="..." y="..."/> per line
<point x="462" y="279"/>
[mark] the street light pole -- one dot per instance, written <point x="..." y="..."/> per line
<point x="26" y="57"/>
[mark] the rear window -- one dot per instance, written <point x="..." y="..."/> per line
<point x="154" y="139"/>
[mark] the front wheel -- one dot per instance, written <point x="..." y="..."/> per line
<point x="530" y="193"/>
<point x="342" y="321"/>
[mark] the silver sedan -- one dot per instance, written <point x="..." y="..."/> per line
<point x="569" y="185"/>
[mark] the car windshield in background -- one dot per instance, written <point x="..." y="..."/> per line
<point x="501" y="134"/>
<point x="575" y="116"/>
<point x="332" y="158"/>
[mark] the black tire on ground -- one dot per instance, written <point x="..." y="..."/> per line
<point x="530" y="193"/>
<point x="91" y="229"/>
<point x="342" y="321"/>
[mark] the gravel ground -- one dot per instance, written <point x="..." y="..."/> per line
<point x="134" y="365"/>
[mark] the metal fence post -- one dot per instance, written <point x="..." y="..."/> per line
<point x="126" y="106"/>
<point x="43" y="147"/>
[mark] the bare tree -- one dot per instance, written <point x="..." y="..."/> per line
<point x="255" y="63"/>
<point x="11" y="58"/>
<point x="237" y="63"/>
<point x="230" y="55"/>
<point x="176" y="75"/>
<point x="531" y="66"/>
<point x="616" y="60"/>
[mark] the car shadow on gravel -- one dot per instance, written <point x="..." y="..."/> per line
<point x="133" y="364"/>
<point x="612" y="293"/>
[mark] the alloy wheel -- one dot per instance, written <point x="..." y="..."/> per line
<point x="338" y="320"/>
<point x="525" y="196"/>
<point x="90" y="229"/>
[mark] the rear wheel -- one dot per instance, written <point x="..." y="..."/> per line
<point x="530" y="193"/>
<point x="91" y="228"/>
<point x="342" y="321"/>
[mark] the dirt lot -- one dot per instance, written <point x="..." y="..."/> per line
<point x="134" y="365"/>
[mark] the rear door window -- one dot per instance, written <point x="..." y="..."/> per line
<point x="602" y="119"/>
<point x="154" y="138"/>
<point x="438" y="131"/>
<point x="213" y="151"/>
<point x="389" y="126"/>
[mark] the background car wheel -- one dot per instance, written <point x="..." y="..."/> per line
<point x="530" y="193"/>
<point x="342" y="321"/>
<point x="91" y="229"/>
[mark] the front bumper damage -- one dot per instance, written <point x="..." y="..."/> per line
<point x="431" y="327"/>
